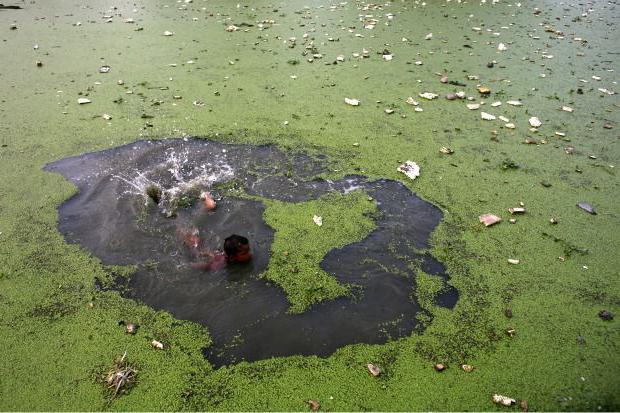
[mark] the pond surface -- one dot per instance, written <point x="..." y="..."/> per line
<point x="112" y="217"/>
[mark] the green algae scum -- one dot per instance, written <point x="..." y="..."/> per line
<point x="306" y="109"/>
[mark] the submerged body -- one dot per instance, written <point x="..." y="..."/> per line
<point x="236" y="250"/>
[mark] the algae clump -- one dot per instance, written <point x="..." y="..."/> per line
<point x="300" y="245"/>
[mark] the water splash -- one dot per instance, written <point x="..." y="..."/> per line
<point x="177" y="175"/>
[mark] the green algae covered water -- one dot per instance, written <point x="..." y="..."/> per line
<point x="278" y="73"/>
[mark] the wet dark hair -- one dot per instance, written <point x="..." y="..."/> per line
<point x="233" y="243"/>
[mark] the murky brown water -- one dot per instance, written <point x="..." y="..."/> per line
<point x="247" y="317"/>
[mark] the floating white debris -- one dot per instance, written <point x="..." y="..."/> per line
<point x="489" y="219"/>
<point x="168" y="33"/>
<point x="373" y="370"/>
<point x="83" y="101"/>
<point x="513" y="261"/>
<point x="503" y="118"/>
<point x="510" y="125"/>
<point x="535" y="122"/>
<point x="487" y="116"/>
<point x="514" y="103"/>
<point x="473" y="106"/>
<point x="157" y="344"/>
<point x="428" y="36"/>
<point x="411" y="101"/>
<point x="318" y="220"/>
<point x="106" y="116"/>
<point x="501" y="47"/>
<point x="388" y="57"/>
<point x="503" y="400"/>
<point x="352" y="102"/>
<point x="232" y="28"/>
<point x="567" y="109"/>
<point x="496" y="104"/>
<point x="428" y="95"/>
<point x="410" y="168"/>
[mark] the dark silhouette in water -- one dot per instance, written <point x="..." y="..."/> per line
<point x="247" y="316"/>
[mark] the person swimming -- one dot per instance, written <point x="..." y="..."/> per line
<point x="236" y="250"/>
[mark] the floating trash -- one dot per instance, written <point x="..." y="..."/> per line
<point x="503" y="400"/>
<point x="373" y="370"/>
<point x="487" y="116"/>
<point x="352" y="102"/>
<point x="409" y="168"/>
<point x="157" y="344"/>
<point x="428" y="95"/>
<point x="314" y="405"/>
<point x="489" y="219"/>
<point x="587" y="207"/>
<point x="467" y="368"/>
<point x="535" y="122"/>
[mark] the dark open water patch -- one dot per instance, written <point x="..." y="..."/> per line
<point x="247" y="317"/>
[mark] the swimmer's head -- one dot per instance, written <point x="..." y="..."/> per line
<point x="237" y="249"/>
